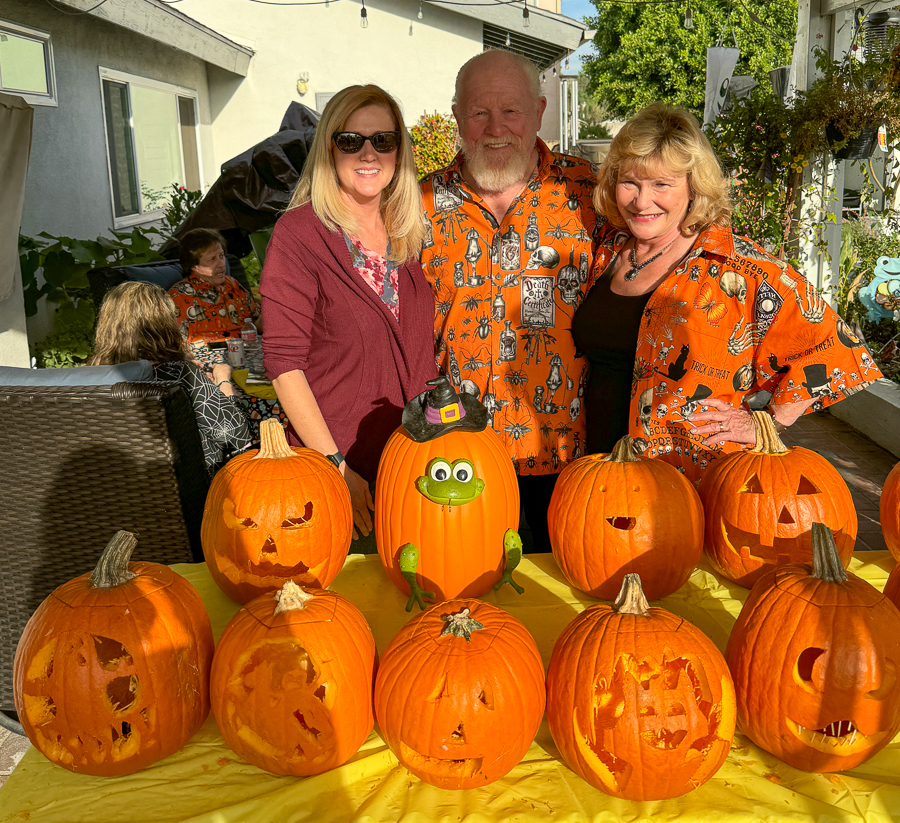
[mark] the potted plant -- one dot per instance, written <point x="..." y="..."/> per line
<point x="854" y="98"/>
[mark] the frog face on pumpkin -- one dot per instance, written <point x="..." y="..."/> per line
<point x="450" y="484"/>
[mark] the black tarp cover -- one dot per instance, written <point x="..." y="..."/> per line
<point x="255" y="187"/>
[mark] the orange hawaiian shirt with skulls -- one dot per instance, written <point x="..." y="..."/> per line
<point x="505" y="294"/>
<point x="731" y="322"/>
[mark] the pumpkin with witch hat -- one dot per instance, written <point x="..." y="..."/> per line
<point x="446" y="500"/>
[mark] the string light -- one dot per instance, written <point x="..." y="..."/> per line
<point x="554" y="71"/>
<point x="688" y="19"/>
<point x="526" y="20"/>
<point x="507" y="40"/>
<point x="420" y="15"/>
<point x="363" y="16"/>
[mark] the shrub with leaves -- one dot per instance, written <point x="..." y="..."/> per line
<point x="64" y="263"/>
<point x="434" y="140"/>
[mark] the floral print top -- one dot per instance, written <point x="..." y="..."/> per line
<point x="379" y="273"/>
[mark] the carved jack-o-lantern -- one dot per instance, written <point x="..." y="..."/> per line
<point x="619" y="513"/>
<point x="291" y="684"/>
<point x="278" y="514"/>
<point x="815" y="656"/>
<point x="460" y="694"/>
<point x="112" y="671"/>
<point x="640" y="703"/>
<point x="760" y="505"/>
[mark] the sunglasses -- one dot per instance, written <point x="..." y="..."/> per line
<point x="349" y="142"/>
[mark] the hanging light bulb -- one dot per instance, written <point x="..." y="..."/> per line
<point x="419" y="15"/>
<point x="543" y="77"/>
<point x="688" y="19"/>
<point x="410" y="29"/>
<point x="363" y="16"/>
<point x="507" y="39"/>
<point x="526" y="21"/>
<point x="554" y="71"/>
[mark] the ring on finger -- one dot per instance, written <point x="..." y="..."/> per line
<point x="721" y="425"/>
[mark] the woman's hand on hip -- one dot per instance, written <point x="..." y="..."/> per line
<point x="723" y="423"/>
<point x="361" y="501"/>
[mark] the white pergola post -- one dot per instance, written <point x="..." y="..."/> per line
<point x="827" y="24"/>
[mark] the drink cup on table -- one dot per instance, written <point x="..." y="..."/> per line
<point x="236" y="353"/>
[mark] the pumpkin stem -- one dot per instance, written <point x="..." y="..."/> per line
<point x="827" y="564"/>
<point x="460" y="624"/>
<point x="272" y="442"/>
<point x="631" y="599"/>
<point x="291" y="597"/>
<point x="112" y="567"/>
<point x="623" y="452"/>
<point x="767" y="439"/>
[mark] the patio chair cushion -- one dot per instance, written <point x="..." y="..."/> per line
<point x="165" y="274"/>
<point x="134" y="371"/>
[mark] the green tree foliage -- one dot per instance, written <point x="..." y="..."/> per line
<point x="643" y="53"/>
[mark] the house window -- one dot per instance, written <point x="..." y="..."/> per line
<point x="151" y="140"/>
<point x="26" y="64"/>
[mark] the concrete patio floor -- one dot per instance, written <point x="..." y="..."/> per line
<point x="861" y="462"/>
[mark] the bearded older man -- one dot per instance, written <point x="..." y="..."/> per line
<point x="508" y="257"/>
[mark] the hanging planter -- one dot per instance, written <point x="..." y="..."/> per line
<point x="860" y="147"/>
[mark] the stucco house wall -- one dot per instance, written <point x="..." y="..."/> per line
<point x="67" y="189"/>
<point x="415" y="60"/>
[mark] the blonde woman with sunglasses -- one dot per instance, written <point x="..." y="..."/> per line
<point x="348" y="313"/>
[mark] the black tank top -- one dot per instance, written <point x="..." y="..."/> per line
<point x="605" y="329"/>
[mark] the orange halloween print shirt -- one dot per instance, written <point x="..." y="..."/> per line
<point x="505" y="295"/>
<point x="731" y="322"/>
<point x="208" y="313"/>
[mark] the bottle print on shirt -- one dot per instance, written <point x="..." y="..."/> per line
<point x="508" y="340"/>
<point x="510" y="250"/>
<point x="532" y="233"/>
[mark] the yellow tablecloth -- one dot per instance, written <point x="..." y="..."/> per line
<point x="263" y="390"/>
<point x="206" y="783"/>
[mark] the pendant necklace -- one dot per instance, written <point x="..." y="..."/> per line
<point x="636" y="267"/>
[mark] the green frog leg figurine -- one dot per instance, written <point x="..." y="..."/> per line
<point x="409" y="562"/>
<point x="512" y="550"/>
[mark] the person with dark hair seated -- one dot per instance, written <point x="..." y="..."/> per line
<point x="137" y="321"/>
<point x="212" y="306"/>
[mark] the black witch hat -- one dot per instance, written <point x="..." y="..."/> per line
<point x="440" y="410"/>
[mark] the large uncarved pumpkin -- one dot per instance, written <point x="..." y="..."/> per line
<point x="461" y="550"/>
<point x="112" y="671"/>
<point x="292" y="681"/>
<point x="615" y="514"/>
<point x="760" y="505"/>
<point x="815" y="655"/>
<point x="276" y="514"/>
<point x="889" y="510"/>
<point x="460" y="694"/>
<point x="639" y="701"/>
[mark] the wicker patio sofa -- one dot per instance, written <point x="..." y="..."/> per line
<point x="80" y="463"/>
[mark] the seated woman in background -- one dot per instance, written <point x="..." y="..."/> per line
<point x="138" y="322"/>
<point x="212" y="306"/>
<point x="349" y="315"/>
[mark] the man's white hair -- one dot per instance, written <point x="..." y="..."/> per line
<point x="529" y="70"/>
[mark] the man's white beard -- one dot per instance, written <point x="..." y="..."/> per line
<point x="491" y="175"/>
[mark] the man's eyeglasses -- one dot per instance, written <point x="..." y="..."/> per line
<point x="349" y="142"/>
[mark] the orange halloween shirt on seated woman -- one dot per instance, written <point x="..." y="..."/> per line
<point x="212" y="305"/>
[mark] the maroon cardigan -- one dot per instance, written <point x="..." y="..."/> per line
<point x="321" y="317"/>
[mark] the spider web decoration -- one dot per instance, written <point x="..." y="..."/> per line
<point x="662" y="317"/>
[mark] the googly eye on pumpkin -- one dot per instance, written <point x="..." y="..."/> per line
<point x="463" y="471"/>
<point x="439" y="470"/>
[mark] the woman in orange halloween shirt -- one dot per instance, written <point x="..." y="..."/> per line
<point x="688" y="325"/>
